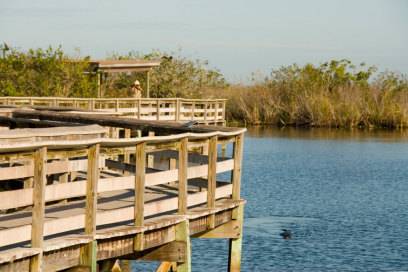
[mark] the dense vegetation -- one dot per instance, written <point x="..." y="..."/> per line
<point x="333" y="94"/>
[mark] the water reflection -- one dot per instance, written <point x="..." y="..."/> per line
<point x="329" y="134"/>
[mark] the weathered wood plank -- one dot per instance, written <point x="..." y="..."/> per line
<point x="74" y="222"/>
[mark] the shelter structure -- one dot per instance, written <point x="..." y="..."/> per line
<point x="101" y="67"/>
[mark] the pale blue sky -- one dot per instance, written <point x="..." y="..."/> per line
<point x="236" y="36"/>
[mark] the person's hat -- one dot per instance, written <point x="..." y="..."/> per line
<point x="137" y="83"/>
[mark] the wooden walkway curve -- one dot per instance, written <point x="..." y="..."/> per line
<point x="75" y="198"/>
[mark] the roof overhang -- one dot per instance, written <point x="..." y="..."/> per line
<point x="118" y="66"/>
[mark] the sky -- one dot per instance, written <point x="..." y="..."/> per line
<point x="236" y="36"/>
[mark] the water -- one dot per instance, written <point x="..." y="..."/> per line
<point x="344" y="196"/>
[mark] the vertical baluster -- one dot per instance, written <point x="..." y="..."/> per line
<point x="192" y="110"/>
<point x="38" y="214"/>
<point x="205" y="113"/>
<point x="139" y="109"/>
<point x="178" y="109"/>
<point x="212" y="171"/>
<point x="139" y="192"/>
<point x="216" y="113"/>
<point x="88" y="252"/>
<point x="150" y="157"/>
<point x="128" y="133"/>
<point x="117" y="105"/>
<point x="92" y="189"/>
<point x="224" y="112"/>
<point x="182" y="176"/>
<point x="158" y="109"/>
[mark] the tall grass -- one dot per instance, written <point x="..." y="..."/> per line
<point x="335" y="94"/>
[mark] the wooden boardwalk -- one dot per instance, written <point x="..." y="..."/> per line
<point x="205" y="111"/>
<point x="75" y="198"/>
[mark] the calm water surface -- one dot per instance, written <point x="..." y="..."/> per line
<point x="343" y="194"/>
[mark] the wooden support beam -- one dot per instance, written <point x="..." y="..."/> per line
<point x="167" y="267"/>
<point x="236" y="173"/>
<point x="37" y="226"/>
<point x="106" y="265"/>
<point x="229" y="230"/>
<point x="80" y="268"/>
<point x="172" y="252"/>
<point x="235" y="245"/>
<point x="139" y="193"/>
<point x="88" y="251"/>
<point x="182" y="176"/>
<point x="183" y="235"/>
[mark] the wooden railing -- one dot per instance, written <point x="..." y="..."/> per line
<point x="42" y="159"/>
<point x="166" y="109"/>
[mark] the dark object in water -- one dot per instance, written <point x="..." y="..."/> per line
<point x="190" y="124"/>
<point x="286" y="234"/>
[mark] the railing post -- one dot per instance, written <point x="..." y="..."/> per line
<point x="92" y="189"/>
<point x="183" y="235"/>
<point x="139" y="193"/>
<point x="158" y="109"/>
<point x="212" y="177"/>
<point x="37" y="226"/>
<point x="182" y="176"/>
<point x="205" y="112"/>
<point x="139" y="109"/>
<point x="117" y="105"/>
<point x="236" y="173"/>
<point x="192" y="110"/>
<point x="88" y="253"/>
<point x="224" y="112"/>
<point x="216" y="113"/>
<point x="128" y="133"/>
<point x="212" y="171"/>
<point x="178" y="109"/>
<point x="235" y="245"/>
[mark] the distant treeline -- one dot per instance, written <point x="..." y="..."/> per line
<point x="51" y="72"/>
<point x="333" y="94"/>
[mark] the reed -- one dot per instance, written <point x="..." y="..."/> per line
<point x="335" y="94"/>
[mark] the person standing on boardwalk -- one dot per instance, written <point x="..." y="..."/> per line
<point x="136" y="89"/>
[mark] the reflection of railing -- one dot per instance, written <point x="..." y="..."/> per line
<point x="170" y="109"/>
<point x="40" y="160"/>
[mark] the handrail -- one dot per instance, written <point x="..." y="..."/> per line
<point x="108" y="99"/>
<point x="109" y="142"/>
<point x="141" y="179"/>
